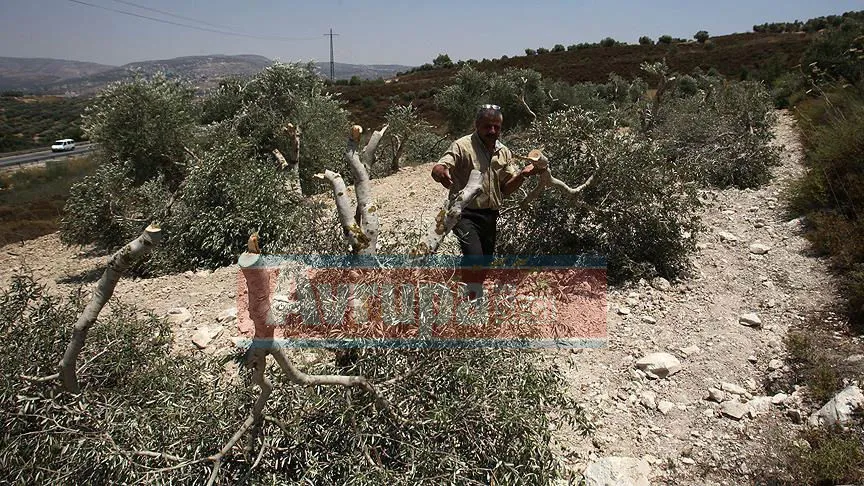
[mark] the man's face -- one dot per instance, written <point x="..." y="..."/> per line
<point x="489" y="128"/>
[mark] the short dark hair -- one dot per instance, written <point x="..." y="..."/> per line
<point x="488" y="110"/>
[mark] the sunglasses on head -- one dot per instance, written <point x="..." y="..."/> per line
<point x="490" y="107"/>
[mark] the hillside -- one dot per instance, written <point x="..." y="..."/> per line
<point x="735" y="55"/>
<point x="23" y="73"/>
<point x="203" y="71"/>
<point x="56" y="76"/>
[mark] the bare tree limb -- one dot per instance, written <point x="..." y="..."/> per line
<point x="368" y="154"/>
<point x="449" y="214"/>
<point x="522" y="99"/>
<point x="258" y="288"/>
<point x="117" y="265"/>
<point x="547" y="180"/>
<point x="352" y="230"/>
<point x="365" y="226"/>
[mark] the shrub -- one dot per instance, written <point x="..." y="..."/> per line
<point x="664" y="39"/>
<point x="831" y="191"/>
<point x="646" y="41"/>
<point x="638" y="212"/>
<point x="701" y="36"/>
<point x="572" y="47"/>
<point x="558" y="48"/>
<point x="721" y="138"/>
<point x="608" y="42"/>
<point x="143" y="125"/>
<point x="833" y="456"/>
<point x="542" y="50"/>
<point x="442" y="61"/>
<point x="228" y="196"/>
<point x="472" y="88"/>
<point x="530" y="52"/>
<point x="486" y="410"/>
<point x="231" y="189"/>
<point x="838" y="54"/>
<point x="225" y="101"/>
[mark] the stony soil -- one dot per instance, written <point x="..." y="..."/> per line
<point x="697" y="320"/>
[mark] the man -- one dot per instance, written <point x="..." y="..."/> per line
<point x="481" y="150"/>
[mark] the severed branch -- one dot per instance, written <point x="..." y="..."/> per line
<point x="117" y="265"/>
<point x="524" y="103"/>
<point x="547" y="180"/>
<point x="362" y="231"/>
<point x="448" y="215"/>
<point x="257" y="278"/>
<point x="292" y="163"/>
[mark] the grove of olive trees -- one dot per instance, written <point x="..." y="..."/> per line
<point x="205" y="174"/>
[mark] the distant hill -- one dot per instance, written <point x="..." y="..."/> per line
<point x="55" y="76"/>
<point x="739" y="56"/>
<point x="362" y="71"/>
<point x="25" y="73"/>
<point x="202" y="71"/>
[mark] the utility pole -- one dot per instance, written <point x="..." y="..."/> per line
<point x="332" y="64"/>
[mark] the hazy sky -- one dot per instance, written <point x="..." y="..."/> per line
<point x="382" y="32"/>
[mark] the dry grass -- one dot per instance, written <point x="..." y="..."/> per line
<point x="32" y="198"/>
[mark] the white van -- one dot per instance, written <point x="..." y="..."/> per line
<point x="64" y="145"/>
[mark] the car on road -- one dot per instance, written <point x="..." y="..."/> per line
<point x="63" y="145"/>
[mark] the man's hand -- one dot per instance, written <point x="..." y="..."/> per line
<point x="531" y="170"/>
<point x="441" y="174"/>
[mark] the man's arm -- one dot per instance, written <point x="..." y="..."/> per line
<point x="514" y="182"/>
<point x="441" y="170"/>
<point x="441" y="174"/>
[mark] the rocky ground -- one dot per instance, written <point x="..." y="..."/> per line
<point x="703" y="412"/>
<point x="716" y="415"/>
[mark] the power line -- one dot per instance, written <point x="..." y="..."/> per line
<point x="169" y="14"/>
<point x="205" y="29"/>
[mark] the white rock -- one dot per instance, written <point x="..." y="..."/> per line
<point x="227" y="315"/>
<point x="734" y="409"/>
<point x="855" y="358"/>
<point x="648" y="399"/>
<point x="733" y="388"/>
<point x="752" y="358"/>
<point x="716" y="395"/>
<point x="649" y="320"/>
<point x="779" y="398"/>
<point x="760" y="405"/>
<point x="665" y="407"/>
<point x="617" y="471"/>
<point x="688" y="461"/>
<point x="179" y="316"/>
<point x="726" y="236"/>
<point x="759" y="249"/>
<point x="659" y="365"/>
<point x="624" y="311"/>
<point x="632" y="302"/>
<point x="661" y="284"/>
<point x="841" y="408"/>
<point x="690" y="350"/>
<point x="751" y="320"/>
<point x="775" y="364"/>
<point x="205" y="335"/>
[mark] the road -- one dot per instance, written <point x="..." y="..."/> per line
<point x="43" y="156"/>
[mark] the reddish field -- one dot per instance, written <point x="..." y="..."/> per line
<point x="729" y="54"/>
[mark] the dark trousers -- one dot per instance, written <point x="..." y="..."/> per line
<point x="476" y="233"/>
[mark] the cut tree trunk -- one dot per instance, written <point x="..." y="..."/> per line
<point x="117" y="265"/>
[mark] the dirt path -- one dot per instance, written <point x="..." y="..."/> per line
<point x="697" y="321"/>
<point x="690" y="441"/>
